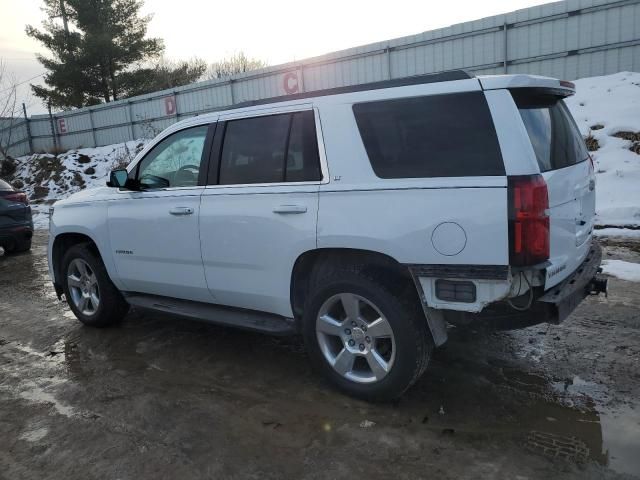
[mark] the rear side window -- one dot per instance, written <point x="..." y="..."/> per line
<point x="270" y="149"/>
<point x="554" y="135"/>
<point x="436" y="136"/>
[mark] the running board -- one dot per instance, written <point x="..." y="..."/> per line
<point x="217" y="314"/>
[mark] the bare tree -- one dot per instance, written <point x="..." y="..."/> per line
<point x="9" y="118"/>
<point x="238" y="63"/>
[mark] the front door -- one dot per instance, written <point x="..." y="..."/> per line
<point x="154" y="232"/>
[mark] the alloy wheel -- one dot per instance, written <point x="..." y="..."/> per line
<point x="83" y="287"/>
<point x="355" y="338"/>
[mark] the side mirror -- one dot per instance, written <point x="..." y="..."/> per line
<point x="118" y="178"/>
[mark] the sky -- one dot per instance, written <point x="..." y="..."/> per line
<point x="276" y="31"/>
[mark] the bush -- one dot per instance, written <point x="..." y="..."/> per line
<point x="592" y="143"/>
<point x="7" y="167"/>
<point x="123" y="158"/>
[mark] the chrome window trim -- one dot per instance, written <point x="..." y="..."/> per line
<point x="261" y="112"/>
<point x="322" y="156"/>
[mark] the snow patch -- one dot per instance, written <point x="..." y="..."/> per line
<point x="603" y="107"/>
<point x="621" y="269"/>
<point x="48" y="177"/>
<point x="617" y="232"/>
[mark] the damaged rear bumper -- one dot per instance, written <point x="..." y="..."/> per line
<point x="551" y="306"/>
<point x="563" y="298"/>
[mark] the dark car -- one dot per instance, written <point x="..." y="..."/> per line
<point x="16" y="224"/>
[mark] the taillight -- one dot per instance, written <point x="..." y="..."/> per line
<point x="528" y="220"/>
<point x="18" y="197"/>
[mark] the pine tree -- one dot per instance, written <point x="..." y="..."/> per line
<point x="95" y="51"/>
<point x="161" y="75"/>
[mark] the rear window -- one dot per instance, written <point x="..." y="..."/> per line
<point x="270" y="149"/>
<point x="554" y="135"/>
<point x="436" y="136"/>
<point x="4" y="185"/>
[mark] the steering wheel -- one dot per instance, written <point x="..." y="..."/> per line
<point x="186" y="174"/>
<point x="154" y="181"/>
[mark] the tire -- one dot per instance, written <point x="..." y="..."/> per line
<point x="410" y="339"/>
<point x="111" y="307"/>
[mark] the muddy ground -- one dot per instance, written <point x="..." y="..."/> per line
<point x="160" y="397"/>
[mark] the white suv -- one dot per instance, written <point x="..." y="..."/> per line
<point x="365" y="218"/>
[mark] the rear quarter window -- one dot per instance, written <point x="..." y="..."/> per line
<point x="436" y="136"/>
<point x="554" y="135"/>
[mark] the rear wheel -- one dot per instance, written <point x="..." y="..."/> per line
<point x="369" y="342"/>
<point x="91" y="295"/>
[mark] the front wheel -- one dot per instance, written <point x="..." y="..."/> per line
<point x="91" y="295"/>
<point x="369" y="342"/>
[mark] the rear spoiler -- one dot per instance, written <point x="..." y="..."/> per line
<point x="561" y="88"/>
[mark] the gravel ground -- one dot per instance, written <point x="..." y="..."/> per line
<point x="160" y="397"/>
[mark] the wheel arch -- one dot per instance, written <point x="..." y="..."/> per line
<point x="313" y="264"/>
<point x="62" y="243"/>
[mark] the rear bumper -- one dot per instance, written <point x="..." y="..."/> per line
<point x="16" y="233"/>
<point x="553" y="305"/>
<point x="563" y="298"/>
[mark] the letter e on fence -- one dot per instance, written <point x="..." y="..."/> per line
<point x="170" y="105"/>
<point x="290" y="83"/>
<point x="62" y="125"/>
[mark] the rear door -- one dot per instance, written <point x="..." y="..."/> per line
<point x="259" y="212"/>
<point x="565" y="165"/>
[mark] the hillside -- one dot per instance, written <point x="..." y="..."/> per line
<point x="47" y="177"/>
<point x="607" y="110"/>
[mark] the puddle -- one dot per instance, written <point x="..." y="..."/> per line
<point x="566" y="422"/>
<point x="621" y="440"/>
<point x="551" y="417"/>
<point x="576" y="386"/>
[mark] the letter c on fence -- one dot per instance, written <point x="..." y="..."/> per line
<point x="170" y="105"/>
<point x="290" y="82"/>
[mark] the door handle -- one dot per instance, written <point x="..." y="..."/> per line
<point x="181" y="211"/>
<point x="283" y="209"/>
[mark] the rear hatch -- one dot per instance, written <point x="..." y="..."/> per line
<point x="569" y="174"/>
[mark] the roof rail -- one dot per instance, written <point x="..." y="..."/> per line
<point x="447" y="76"/>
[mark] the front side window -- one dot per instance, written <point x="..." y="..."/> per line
<point x="175" y="161"/>
<point x="270" y="149"/>
<point x="434" y="136"/>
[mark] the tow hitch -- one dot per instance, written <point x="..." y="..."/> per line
<point x="598" y="285"/>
